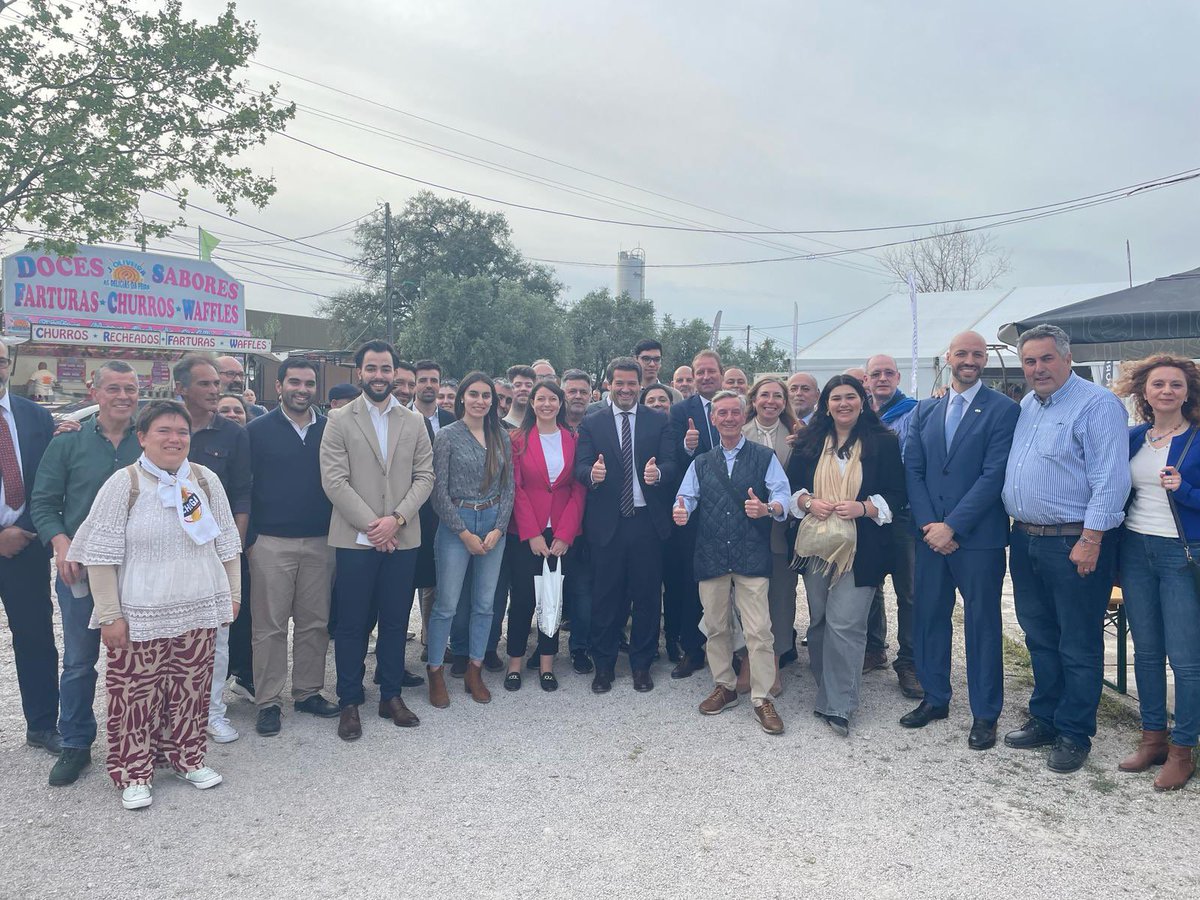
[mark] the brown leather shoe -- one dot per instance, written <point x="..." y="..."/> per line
<point x="1151" y="751"/>
<point x="909" y="685"/>
<point x="768" y="718"/>
<point x="874" y="659"/>
<point x="473" y="682"/>
<point x="438" y="695"/>
<point x="1176" y="771"/>
<point x="349" y="727"/>
<point x="718" y="701"/>
<point x="400" y="714"/>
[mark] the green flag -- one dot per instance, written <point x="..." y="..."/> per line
<point x="208" y="243"/>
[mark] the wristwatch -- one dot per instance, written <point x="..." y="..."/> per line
<point x="399" y="519"/>
<point x="808" y="504"/>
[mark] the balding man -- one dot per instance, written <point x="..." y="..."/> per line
<point x="955" y="458"/>
<point x="895" y="411"/>
<point x="684" y="381"/>
<point x="233" y="381"/>
<point x="803" y="393"/>
<point x="735" y="380"/>
<point x="857" y="372"/>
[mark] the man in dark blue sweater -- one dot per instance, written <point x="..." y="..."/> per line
<point x="291" y="563"/>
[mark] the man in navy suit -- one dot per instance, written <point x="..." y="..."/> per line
<point x="624" y="457"/>
<point x="692" y="433"/>
<point x="955" y="457"/>
<point x="25" y="430"/>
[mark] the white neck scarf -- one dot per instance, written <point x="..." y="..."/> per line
<point x="180" y="493"/>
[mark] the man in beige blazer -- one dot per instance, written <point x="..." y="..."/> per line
<point x="377" y="470"/>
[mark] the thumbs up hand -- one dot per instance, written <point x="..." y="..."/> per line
<point x="650" y="475"/>
<point x="691" y="440"/>
<point x="679" y="512"/>
<point x="755" y="508"/>
<point x="791" y="438"/>
<point x="598" y="470"/>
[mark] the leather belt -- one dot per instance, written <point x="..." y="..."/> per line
<point x="477" y="504"/>
<point x="1067" y="529"/>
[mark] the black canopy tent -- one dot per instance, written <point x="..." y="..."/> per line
<point x="1156" y="317"/>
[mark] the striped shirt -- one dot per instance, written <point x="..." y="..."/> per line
<point x="1070" y="458"/>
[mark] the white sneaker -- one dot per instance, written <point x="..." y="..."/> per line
<point x="221" y="731"/>
<point x="203" y="778"/>
<point x="136" y="796"/>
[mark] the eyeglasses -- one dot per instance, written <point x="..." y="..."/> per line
<point x="650" y="359"/>
<point x="232" y="373"/>
<point x="4" y="362"/>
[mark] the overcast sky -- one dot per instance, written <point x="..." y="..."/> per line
<point x="796" y="115"/>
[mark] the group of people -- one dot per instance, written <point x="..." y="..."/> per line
<point x="681" y="516"/>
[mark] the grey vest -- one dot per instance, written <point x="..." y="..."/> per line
<point x="727" y="541"/>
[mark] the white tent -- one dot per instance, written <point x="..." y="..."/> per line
<point x="886" y="326"/>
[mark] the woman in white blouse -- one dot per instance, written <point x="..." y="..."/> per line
<point x="161" y="550"/>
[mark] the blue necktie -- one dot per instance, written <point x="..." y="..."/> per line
<point x="954" y="417"/>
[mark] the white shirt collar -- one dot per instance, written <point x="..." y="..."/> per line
<point x="6" y="402"/>
<point x="392" y="404"/>
<point x="616" y="411"/>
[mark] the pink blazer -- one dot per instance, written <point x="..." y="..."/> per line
<point x="537" y="500"/>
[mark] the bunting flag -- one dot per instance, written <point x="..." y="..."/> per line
<point x="208" y="243"/>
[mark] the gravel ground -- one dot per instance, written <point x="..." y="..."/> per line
<point x="571" y="794"/>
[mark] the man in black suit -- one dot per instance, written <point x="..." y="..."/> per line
<point x="25" y="430"/>
<point x="624" y="456"/>
<point x="692" y="433"/>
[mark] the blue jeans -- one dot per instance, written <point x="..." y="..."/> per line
<point x="454" y="564"/>
<point x="1062" y="615"/>
<point x="460" y="630"/>
<point x="1164" y="617"/>
<point x="81" y="651"/>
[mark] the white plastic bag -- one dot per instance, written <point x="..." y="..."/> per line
<point x="548" y="588"/>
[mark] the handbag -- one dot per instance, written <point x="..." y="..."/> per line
<point x="1192" y="565"/>
<point x="548" y="589"/>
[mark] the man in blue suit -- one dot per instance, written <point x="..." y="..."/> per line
<point x="25" y="430"/>
<point x="955" y="457"/>
<point x="691" y="434"/>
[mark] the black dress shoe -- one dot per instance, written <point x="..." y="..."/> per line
<point x="49" y="740"/>
<point x="411" y="680"/>
<point x="548" y="681"/>
<point x="268" y="722"/>
<point x="1034" y="733"/>
<point x="602" y="682"/>
<point x="983" y="735"/>
<point x="581" y="662"/>
<point x="492" y="661"/>
<point x="787" y="658"/>
<point x="71" y="762"/>
<point x="1066" y="756"/>
<point x="674" y="653"/>
<point x="642" y="682"/>
<point x="316" y="705"/>
<point x="923" y="715"/>
<point x="687" y="666"/>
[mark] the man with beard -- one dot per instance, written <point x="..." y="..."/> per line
<point x="223" y="446"/>
<point x="504" y="396"/>
<point x="803" y="392"/>
<point x="522" y="379"/>
<point x="429" y="380"/>
<point x="377" y="469"/>
<point x="404" y="387"/>
<point x="684" y="381"/>
<point x="233" y="381"/>
<point x="290" y="561"/>
<point x="895" y="410"/>
<point x="955" y="460"/>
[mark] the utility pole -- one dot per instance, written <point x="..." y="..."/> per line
<point x="747" y="338"/>
<point x="387" y="276"/>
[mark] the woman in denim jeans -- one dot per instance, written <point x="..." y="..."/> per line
<point x="1161" y="599"/>
<point x="473" y="497"/>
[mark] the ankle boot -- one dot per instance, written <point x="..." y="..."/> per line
<point x="473" y="682"/>
<point x="1151" y="751"/>
<point x="1176" y="770"/>
<point x="438" y="695"/>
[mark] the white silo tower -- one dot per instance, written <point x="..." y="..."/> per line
<point x="631" y="273"/>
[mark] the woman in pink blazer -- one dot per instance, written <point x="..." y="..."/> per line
<point x="547" y="516"/>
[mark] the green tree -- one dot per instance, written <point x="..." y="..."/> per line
<point x="765" y="357"/>
<point x="601" y="327"/>
<point x="681" y="342"/>
<point x="103" y="102"/>
<point x="479" y="323"/>
<point x="431" y="236"/>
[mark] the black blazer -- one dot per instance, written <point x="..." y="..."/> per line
<point x="425" y="573"/>
<point x="883" y="474"/>
<point x="651" y="437"/>
<point x="35" y="427"/>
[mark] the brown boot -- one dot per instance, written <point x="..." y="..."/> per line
<point x="438" y="695"/>
<point x="1176" y="771"/>
<point x="473" y="682"/>
<point x="1151" y="751"/>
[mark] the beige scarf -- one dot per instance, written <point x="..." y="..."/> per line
<point x="828" y="547"/>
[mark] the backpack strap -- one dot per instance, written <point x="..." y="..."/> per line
<point x="135" y="486"/>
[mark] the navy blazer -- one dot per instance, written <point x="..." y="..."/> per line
<point x="1187" y="498"/>
<point x="961" y="486"/>
<point x="35" y="427"/>
<point x="691" y="408"/>
<point x="598" y="434"/>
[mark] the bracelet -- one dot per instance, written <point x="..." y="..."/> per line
<point x="864" y="506"/>
<point x="1084" y="539"/>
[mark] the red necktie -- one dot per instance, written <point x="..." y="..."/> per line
<point x="10" y="468"/>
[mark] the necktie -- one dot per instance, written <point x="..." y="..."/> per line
<point x="627" y="466"/>
<point x="10" y="468"/>
<point x="954" y="417"/>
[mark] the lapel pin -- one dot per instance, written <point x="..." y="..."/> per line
<point x="979" y="410"/>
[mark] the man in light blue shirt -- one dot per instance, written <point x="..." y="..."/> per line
<point x="1065" y="487"/>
